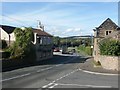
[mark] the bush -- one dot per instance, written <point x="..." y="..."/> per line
<point x="4" y="44"/>
<point x="88" y="50"/>
<point x="85" y="50"/>
<point x="5" y="54"/>
<point x="22" y="45"/>
<point x="109" y="47"/>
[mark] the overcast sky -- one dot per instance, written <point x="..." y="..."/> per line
<point x="60" y="18"/>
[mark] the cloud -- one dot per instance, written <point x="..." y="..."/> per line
<point x="61" y="21"/>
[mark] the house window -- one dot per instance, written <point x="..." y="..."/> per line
<point x="41" y="41"/>
<point x="38" y="40"/>
<point x="108" y="32"/>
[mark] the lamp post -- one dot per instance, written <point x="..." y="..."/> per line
<point x="91" y="44"/>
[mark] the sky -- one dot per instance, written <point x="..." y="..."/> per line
<point x="59" y="18"/>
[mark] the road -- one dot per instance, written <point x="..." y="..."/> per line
<point x="62" y="71"/>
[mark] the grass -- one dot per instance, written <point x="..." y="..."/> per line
<point x="96" y="63"/>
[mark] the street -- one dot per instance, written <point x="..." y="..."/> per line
<point x="62" y="71"/>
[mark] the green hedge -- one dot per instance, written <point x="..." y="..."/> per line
<point x="109" y="47"/>
<point x="84" y="50"/>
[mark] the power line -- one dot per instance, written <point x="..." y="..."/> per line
<point x="18" y="21"/>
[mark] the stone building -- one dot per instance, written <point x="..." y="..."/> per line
<point x="108" y="29"/>
<point x="43" y="43"/>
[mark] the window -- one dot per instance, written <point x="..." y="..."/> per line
<point x="38" y="40"/>
<point x="108" y="32"/>
<point x="41" y="41"/>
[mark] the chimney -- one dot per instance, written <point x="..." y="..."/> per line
<point x="40" y="26"/>
<point x="43" y="27"/>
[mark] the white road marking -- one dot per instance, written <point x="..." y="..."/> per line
<point x="36" y="71"/>
<point x="93" y="86"/>
<point x="98" y="73"/>
<point x="16" y="77"/>
<point x="47" y="85"/>
<point x="53" y="82"/>
<point x="58" y="65"/>
<point x="44" y="69"/>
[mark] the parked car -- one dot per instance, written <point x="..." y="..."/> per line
<point x="56" y="50"/>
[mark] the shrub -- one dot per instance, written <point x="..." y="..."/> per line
<point x="85" y="49"/>
<point x="22" y="46"/>
<point x="88" y="50"/>
<point x="109" y="47"/>
<point x="5" y="54"/>
<point x="4" y="44"/>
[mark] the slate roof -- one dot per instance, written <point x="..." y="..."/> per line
<point x="8" y="29"/>
<point x="41" y="33"/>
<point x="108" y="24"/>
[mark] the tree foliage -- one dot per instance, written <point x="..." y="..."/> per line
<point x="109" y="47"/>
<point x="84" y="50"/>
<point x="71" y="42"/>
<point x="22" y="45"/>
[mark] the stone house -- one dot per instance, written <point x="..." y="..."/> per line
<point x="43" y="43"/>
<point x="108" y="29"/>
<point x="42" y="40"/>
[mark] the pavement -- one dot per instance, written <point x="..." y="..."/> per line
<point x="89" y="67"/>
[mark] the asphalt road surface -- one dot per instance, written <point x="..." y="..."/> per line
<point x="62" y="71"/>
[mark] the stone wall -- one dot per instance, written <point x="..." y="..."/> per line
<point x="43" y="55"/>
<point x="109" y="62"/>
<point x="43" y="52"/>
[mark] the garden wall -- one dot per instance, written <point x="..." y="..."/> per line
<point x="109" y="62"/>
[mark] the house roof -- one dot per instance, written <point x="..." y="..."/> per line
<point x="8" y="29"/>
<point x="41" y="33"/>
<point x="108" y="23"/>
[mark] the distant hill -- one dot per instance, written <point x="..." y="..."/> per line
<point x="75" y="37"/>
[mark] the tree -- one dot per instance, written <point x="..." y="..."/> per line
<point x="23" y="44"/>
<point x="56" y="41"/>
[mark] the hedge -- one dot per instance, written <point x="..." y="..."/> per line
<point x="109" y="47"/>
<point x="85" y="50"/>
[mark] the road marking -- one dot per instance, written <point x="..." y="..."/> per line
<point x="44" y="69"/>
<point x="53" y="82"/>
<point x="16" y="77"/>
<point x="98" y="73"/>
<point x="47" y="85"/>
<point x="36" y="71"/>
<point x="58" y="65"/>
<point x="93" y="86"/>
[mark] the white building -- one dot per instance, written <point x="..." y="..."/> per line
<point x="7" y="34"/>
